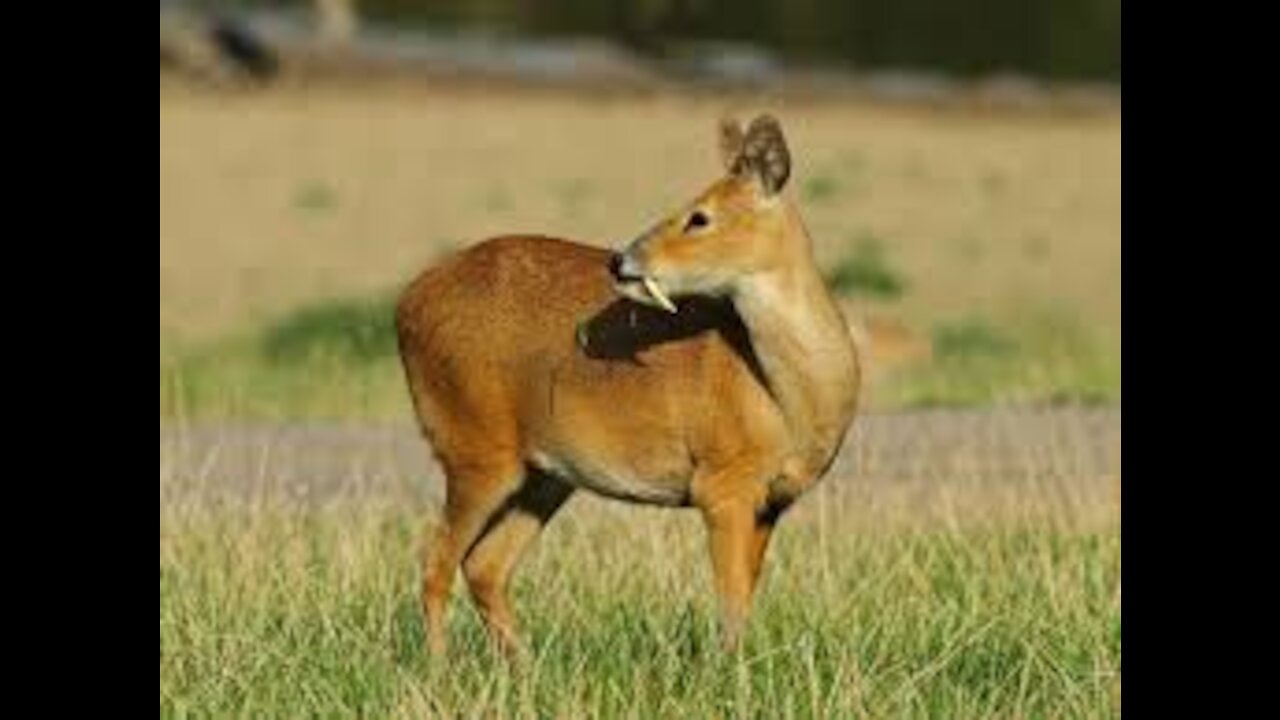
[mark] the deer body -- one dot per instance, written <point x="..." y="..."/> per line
<point x="539" y="366"/>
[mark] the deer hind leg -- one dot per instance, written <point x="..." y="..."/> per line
<point x="475" y="493"/>
<point x="492" y="560"/>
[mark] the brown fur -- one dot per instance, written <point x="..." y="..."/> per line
<point x="531" y="376"/>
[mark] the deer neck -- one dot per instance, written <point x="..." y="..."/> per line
<point x="805" y="350"/>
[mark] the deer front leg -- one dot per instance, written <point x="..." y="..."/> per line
<point x="738" y="530"/>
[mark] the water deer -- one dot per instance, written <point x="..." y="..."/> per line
<point x="704" y="365"/>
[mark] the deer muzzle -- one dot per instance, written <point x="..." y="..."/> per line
<point x="632" y="282"/>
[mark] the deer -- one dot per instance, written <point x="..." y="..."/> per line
<point x="704" y="365"/>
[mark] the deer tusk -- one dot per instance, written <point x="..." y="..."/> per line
<point x="656" y="292"/>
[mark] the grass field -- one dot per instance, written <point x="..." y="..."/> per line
<point x="945" y="569"/>
<point x="950" y="590"/>
<point x="986" y="247"/>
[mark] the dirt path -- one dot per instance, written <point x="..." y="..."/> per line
<point x="317" y="461"/>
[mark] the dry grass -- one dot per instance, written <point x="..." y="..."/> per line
<point x="269" y="200"/>
<point x="275" y="201"/>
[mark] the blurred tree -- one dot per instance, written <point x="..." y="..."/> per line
<point x="337" y="21"/>
<point x="214" y="46"/>
<point x="1057" y="38"/>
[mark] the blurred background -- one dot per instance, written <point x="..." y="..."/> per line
<point x="958" y="163"/>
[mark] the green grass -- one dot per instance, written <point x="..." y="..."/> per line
<point x="234" y="379"/>
<point x="1040" y="355"/>
<point x="866" y="271"/>
<point x="315" y="197"/>
<point x="336" y="359"/>
<point x="820" y="188"/>
<point x="970" y="339"/>
<point x="352" y="331"/>
<point x="269" y="608"/>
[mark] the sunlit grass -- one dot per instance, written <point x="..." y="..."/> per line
<point x="952" y="599"/>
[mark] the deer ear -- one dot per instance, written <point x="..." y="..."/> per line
<point x="764" y="152"/>
<point x="731" y="139"/>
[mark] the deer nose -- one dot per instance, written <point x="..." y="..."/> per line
<point x="623" y="268"/>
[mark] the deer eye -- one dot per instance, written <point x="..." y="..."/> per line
<point x="697" y="220"/>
